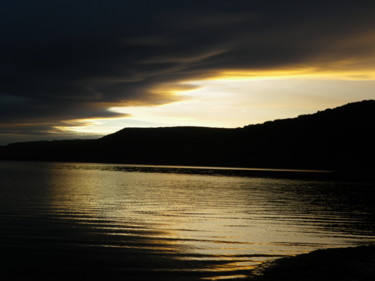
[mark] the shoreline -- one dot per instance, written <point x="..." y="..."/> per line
<point x="341" y="264"/>
<point x="287" y="173"/>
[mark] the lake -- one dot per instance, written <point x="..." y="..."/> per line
<point x="73" y="221"/>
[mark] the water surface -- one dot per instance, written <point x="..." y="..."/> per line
<point x="160" y="223"/>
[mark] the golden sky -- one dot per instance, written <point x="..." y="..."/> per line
<point x="82" y="68"/>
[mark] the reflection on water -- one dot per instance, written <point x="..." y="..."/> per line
<point x="94" y="219"/>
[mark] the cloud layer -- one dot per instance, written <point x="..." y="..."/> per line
<point x="74" y="59"/>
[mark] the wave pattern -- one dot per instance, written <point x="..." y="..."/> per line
<point x="93" y="220"/>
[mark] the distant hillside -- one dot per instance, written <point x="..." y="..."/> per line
<point x="338" y="138"/>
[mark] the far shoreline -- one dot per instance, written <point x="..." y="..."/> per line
<point x="273" y="172"/>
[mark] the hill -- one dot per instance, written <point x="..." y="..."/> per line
<point x="339" y="138"/>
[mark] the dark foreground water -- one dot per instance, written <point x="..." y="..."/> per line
<point x="69" y="221"/>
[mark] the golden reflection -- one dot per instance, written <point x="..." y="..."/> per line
<point x="169" y="219"/>
<point x="230" y="270"/>
<point x="223" y="225"/>
<point x="237" y="276"/>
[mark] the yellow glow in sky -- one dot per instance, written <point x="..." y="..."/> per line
<point x="236" y="99"/>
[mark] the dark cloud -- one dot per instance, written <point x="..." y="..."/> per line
<point x="70" y="60"/>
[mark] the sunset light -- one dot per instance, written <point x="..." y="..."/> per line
<point x="200" y="140"/>
<point x="237" y="99"/>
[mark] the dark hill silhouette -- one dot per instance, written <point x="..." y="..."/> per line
<point x="339" y="138"/>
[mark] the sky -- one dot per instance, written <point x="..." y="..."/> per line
<point x="82" y="69"/>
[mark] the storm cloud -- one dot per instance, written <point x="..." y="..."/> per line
<point x="70" y="60"/>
